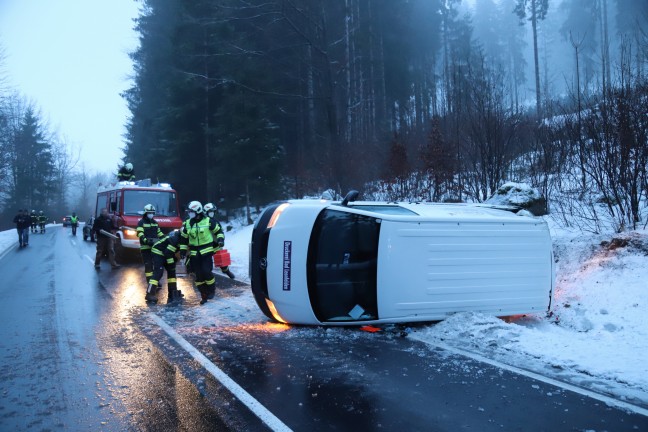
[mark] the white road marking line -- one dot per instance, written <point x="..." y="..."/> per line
<point x="598" y="396"/>
<point x="254" y="405"/>
<point x="89" y="259"/>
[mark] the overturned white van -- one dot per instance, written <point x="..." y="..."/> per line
<point x="344" y="263"/>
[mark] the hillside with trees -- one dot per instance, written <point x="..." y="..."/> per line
<point x="423" y="99"/>
<point x="245" y="102"/>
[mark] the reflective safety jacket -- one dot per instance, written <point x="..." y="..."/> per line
<point x="74" y="220"/>
<point x="42" y="218"/>
<point x="167" y="247"/>
<point x="200" y="235"/>
<point x="148" y="232"/>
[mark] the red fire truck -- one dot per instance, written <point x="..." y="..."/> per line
<point x="125" y="202"/>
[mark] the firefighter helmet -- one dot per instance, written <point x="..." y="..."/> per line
<point x="209" y="207"/>
<point x="195" y="206"/>
<point x="128" y="166"/>
<point x="149" y="208"/>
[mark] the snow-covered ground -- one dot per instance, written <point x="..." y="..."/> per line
<point x="596" y="336"/>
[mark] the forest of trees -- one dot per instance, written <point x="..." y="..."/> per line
<point x="38" y="169"/>
<point x="423" y="99"/>
<point x="31" y="163"/>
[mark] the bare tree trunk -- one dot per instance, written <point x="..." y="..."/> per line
<point x="534" y="25"/>
<point x="579" y="109"/>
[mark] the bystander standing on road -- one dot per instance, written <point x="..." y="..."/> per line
<point x="74" y="223"/>
<point x="105" y="234"/>
<point x="23" y="223"/>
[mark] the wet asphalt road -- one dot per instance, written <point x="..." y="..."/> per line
<point x="79" y="352"/>
<point x="70" y="356"/>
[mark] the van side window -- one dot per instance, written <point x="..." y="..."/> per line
<point x="118" y="203"/>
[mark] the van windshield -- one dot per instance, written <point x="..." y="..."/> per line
<point x="164" y="201"/>
<point x="342" y="266"/>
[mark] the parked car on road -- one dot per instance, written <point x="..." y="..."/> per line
<point x="88" y="233"/>
<point x="342" y="263"/>
<point x="67" y="221"/>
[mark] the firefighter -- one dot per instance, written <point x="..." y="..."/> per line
<point x="41" y="221"/>
<point x="126" y="173"/>
<point x="210" y="211"/>
<point x="148" y="232"/>
<point x="34" y="221"/>
<point x="164" y="253"/>
<point x="74" y="222"/>
<point x="198" y="235"/>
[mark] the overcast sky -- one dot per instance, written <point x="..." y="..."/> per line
<point x="70" y="57"/>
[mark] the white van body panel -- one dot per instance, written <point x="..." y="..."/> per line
<point x="429" y="270"/>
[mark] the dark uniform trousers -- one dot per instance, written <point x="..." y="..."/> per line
<point x="202" y="266"/>
<point x="160" y="264"/>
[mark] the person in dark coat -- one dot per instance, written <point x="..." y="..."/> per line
<point x="105" y="243"/>
<point x="23" y="223"/>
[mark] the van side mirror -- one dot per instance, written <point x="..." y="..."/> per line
<point x="350" y="197"/>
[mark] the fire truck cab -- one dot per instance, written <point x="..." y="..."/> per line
<point x="125" y="201"/>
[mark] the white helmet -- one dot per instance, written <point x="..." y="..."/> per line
<point x="209" y="207"/>
<point x="129" y="166"/>
<point x="149" y="208"/>
<point x="195" y="206"/>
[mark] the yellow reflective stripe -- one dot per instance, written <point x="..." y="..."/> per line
<point x="153" y="282"/>
<point x="171" y="280"/>
<point x="206" y="250"/>
<point x="211" y="281"/>
<point x="199" y="283"/>
<point x="170" y="261"/>
<point x="157" y="252"/>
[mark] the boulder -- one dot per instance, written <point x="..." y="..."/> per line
<point x="520" y="196"/>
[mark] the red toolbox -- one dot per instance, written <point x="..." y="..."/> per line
<point x="222" y="258"/>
